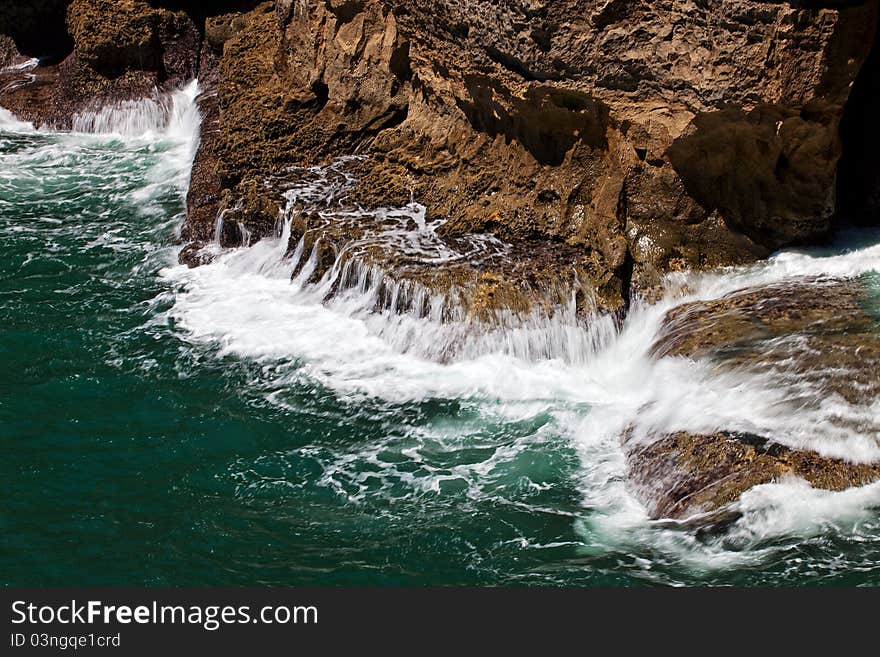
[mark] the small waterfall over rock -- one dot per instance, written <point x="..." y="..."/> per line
<point x="168" y="114"/>
<point x="17" y="75"/>
<point x="380" y="303"/>
<point x="469" y="295"/>
<point x="398" y="368"/>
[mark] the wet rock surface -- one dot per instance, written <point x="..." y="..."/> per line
<point x="684" y="475"/>
<point x="649" y="137"/>
<point x="820" y="338"/>
<point x="652" y="137"/>
<point x="824" y="332"/>
<point x="422" y="270"/>
<point x="8" y="51"/>
<point x="118" y="51"/>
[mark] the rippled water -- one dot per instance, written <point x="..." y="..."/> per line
<point x="226" y="425"/>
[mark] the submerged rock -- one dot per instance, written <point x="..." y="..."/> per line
<point x="683" y="475"/>
<point x="820" y="338"/>
<point x="825" y="332"/>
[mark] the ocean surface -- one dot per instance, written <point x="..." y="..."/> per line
<point x="233" y="425"/>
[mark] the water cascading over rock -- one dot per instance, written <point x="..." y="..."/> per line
<point x="503" y="162"/>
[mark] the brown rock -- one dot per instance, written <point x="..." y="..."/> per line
<point x="129" y="39"/>
<point x="645" y="136"/>
<point x="220" y="29"/>
<point x="8" y="50"/>
<point x="122" y="50"/>
<point x="253" y="207"/>
<point x="681" y="475"/>
<point x="838" y="345"/>
<point x="258" y="115"/>
<point x="651" y="136"/>
<point x="822" y="335"/>
<point x="205" y="192"/>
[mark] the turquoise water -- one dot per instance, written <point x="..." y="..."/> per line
<point x="149" y="442"/>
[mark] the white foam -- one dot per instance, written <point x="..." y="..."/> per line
<point x="10" y="123"/>
<point x="592" y="378"/>
<point x="170" y="116"/>
<point x="21" y="75"/>
<point x="576" y="379"/>
<point x="59" y="167"/>
<point x="793" y="507"/>
<point x="26" y="65"/>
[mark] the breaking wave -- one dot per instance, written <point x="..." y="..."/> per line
<point x="460" y="415"/>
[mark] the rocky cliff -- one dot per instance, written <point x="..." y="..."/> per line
<point x="648" y="136"/>
<point x="107" y="50"/>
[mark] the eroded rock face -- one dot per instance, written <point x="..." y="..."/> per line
<point x="246" y="128"/>
<point x="120" y="50"/>
<point x="8" y="51"/>
<point x="821" y="338"/>
<point x="115" y="37"/>
<point x="653" y="136"/>
<point x="683" y="475"/>
<point x="644" y="136"/>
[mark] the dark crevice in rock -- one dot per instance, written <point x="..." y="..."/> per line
<point x="200" y="12"/>
<point x="391" y="120"/>
<point x="858" y="173"/>
<point x="322" y="93"/>
<point x="543" y="38"/>
<point x="625" y="273"/>
<point x="548" y="122"/>
<point x="38" y="28"/>
<point x="400" y="63"/>
<point x="346" y="11"/>
<point x="612" y="12"/>
<point x="514" y="65"/>
<point x="627" y="269"/>
<point x="752" y="169"/>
